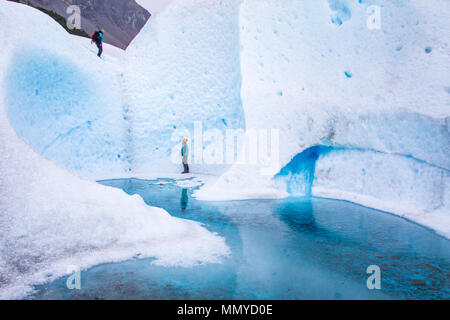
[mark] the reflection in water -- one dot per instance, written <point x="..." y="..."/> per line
<point x="184" y="199"/>
<point x="298" y="214"/>
<point x="294" y="248"/>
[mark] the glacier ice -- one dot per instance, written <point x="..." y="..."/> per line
<point x="182" y="68"/>
<point x="362" y="115"/>
<point x="392" y="182"/>
<point x="78" y="120"/>
<point x="298" y="175"/>
<point x="51" y="219"/>
<point x="391" y="110"/>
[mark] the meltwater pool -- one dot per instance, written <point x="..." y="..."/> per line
<point x="295" y="248"/>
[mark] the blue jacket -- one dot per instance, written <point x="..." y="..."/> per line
<point x="184" y="150"/>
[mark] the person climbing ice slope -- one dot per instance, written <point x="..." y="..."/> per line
<point x="97" y="38"/>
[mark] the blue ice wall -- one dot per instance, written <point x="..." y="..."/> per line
<point x="298" y="174"/>
<point x="62" y="112"/>
<point x="374" y="178"/>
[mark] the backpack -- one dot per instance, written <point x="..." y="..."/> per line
<point x="96" y="37"/>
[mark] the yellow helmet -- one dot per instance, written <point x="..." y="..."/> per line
<point x="185" y="140"/>
<point x="102" y="31"/>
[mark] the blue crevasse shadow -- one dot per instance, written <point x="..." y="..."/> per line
<point x="298" y="174"/>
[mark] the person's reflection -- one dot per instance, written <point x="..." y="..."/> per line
<point x="184" y="199"/>
<point x="129" y="186"/>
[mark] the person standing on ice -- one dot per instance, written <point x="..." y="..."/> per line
<point x="184" y="155"/>
<point x="97" y="38"/>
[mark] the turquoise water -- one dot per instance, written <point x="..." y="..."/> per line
<point x="294" y="248"/>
